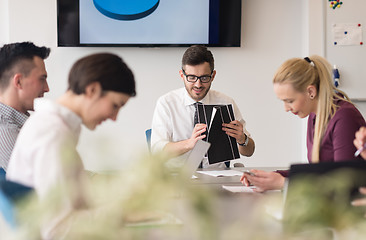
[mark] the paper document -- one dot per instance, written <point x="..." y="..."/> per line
<point x="152" y="219"/>
<point x="239" y="189"/>
<point x="347" y="34"/>
<point x="242" y="188"/>
<point x="222" y="173"/>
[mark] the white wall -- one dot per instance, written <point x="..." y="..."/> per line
<point x="4" y="22"/>
<point x="272" y="32"/>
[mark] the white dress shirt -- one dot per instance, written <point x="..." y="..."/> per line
<point x="45" y="158"/>
<point x="45" y="144"/>
<point x="173" y="118"/>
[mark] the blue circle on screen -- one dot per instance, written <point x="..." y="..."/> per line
<point x="126" y="9"/>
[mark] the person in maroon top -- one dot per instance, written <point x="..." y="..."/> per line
<point x="337" y="140"/>
<point x="305" y="85"/>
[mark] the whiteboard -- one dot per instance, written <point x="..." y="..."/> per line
<point x="350" y="60"/>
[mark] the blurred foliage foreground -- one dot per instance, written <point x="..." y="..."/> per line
<point x="118" y="205"/>
<point x="319" y="206"/>
<point x="141" y="204"/>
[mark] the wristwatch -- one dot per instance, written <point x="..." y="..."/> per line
<point x="246" y="141"/>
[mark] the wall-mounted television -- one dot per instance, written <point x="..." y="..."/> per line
<point x="148" y="23"/>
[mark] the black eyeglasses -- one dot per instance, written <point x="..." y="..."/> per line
<point x="194" y="78"/>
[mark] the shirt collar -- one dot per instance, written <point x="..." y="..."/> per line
<point x="13" y="115"/>
<point x="71" y="118"/>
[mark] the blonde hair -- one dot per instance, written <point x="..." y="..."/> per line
<point x="316" y="71"/>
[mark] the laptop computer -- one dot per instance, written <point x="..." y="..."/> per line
<point x="194" y="159"/>
<point x="319" y="195"/>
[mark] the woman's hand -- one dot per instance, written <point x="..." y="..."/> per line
<point x="360" y="140"/>
<point x="263" y="180"/>
<point x="362" y="201"/>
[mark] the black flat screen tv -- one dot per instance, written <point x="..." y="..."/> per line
<point x="148" y="23"/>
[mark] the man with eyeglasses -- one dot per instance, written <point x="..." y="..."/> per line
<point x="173" y="128"/>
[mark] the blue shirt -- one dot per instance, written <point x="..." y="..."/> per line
<point x="11" y="121"/>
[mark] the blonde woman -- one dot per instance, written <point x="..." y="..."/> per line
<point x="305" y="86"/>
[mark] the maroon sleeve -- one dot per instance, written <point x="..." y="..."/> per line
<point x="284" y="173"/>
<point x="347" y="122"/>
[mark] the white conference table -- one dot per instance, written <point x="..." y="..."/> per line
<point x="235" y="215"/>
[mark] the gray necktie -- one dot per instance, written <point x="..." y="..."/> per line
<point x="195" y="120"/>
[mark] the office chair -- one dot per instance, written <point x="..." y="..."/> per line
<point x="2" y="174"/>
<point x="7" y="210"/>
<point x="10" y="194"/>
<point x="148" y="138"/>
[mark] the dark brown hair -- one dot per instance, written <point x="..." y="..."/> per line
<point x="198" y="54"/>
<point x="19" y="57"/>
<point x="108" y="69"/>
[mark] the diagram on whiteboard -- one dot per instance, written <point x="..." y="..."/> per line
<point x="347" y="34"/>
